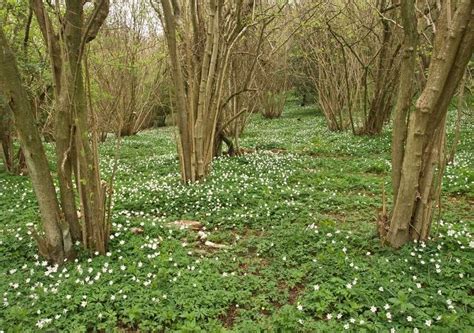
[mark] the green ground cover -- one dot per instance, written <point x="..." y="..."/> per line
<point x="298" y="217"/>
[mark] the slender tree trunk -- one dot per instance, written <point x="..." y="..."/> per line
<point x="184" y="126"/>
<point x="64" y="132"/>
<point x="405" y="90"/>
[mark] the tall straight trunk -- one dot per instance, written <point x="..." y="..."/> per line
<point x="405" y="90"/>
<point x="56" y="244"/>
<point x="454" y="43"/>
<point x="185" y="146"/>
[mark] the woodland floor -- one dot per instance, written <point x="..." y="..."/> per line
<point x="298" y="217"/>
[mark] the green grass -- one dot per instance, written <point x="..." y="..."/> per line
<point x="303" y="255"/>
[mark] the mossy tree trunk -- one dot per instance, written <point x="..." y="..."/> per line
<point x="56" y="244"/>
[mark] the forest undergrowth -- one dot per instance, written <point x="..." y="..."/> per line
<point x="293" y="224"/>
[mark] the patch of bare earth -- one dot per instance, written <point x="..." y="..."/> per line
<point x="228" y="318"/>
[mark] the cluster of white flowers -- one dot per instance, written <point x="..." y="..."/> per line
<point x="43" y="322"/>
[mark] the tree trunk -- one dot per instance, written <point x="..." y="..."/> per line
<point x="386" y="78"/>
<point x="92" y="196"/>
<point x="454" y="43"/>
<point x="56" y="244"/>
<point x="197" y="109"/>
<point x="185" y="127"/>
<point x="201" y="38"/>
<point x="63" y="130"/>
<point x="75" y="155"/>
<point x="6" y="140"/>
<point x="405" y="90"/>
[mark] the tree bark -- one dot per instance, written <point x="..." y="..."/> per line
<point x="454" y="43"/>
<point x="210" y="30"/>
<point x="386" y="80"/>
<point x="63" y="130"/>
<point x="75" y="155"/>
<point x="405" y="90"/>
<point x="92" y="195"/>
<point x="6" y="140"/>
<point x="56" y="244"/>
